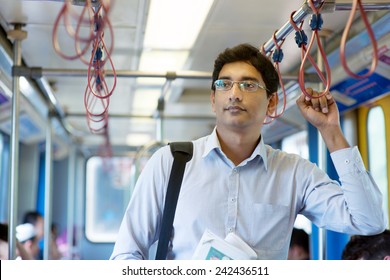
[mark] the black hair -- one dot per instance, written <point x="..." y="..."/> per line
<point x="301" y="238"/>
<point x="371" y="247"/>
<point x="31" y="217"/>
<point x="4" y="232"/>
<point x="252" y="55"/>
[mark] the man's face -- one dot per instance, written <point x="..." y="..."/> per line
<point x="237" y="109"/>
<point x="39" y="228"/>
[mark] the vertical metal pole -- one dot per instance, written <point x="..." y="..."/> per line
<point x="322" y="160"/>
<point x="71" y="200"/>
<point x="159" y="127"/>
<point x="48" y="188"/>
<point x="14" y="146"/>
<point x="160" y="110"/>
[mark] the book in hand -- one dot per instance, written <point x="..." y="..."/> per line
<point x="212" y="247"/>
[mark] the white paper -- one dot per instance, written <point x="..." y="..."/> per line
<point x="212" y="247"/>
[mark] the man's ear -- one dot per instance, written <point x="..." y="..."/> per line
<point x="272" y="104"/>
<point x="212" y="100"/>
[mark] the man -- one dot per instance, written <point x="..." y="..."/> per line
<point x="236" y="183"/>
<point x="37" y="220"/>
<point x="372" y="247"/>
<point x="27" y="236"/>
<point x="26" y="250"/>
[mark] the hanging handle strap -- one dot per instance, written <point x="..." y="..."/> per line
<point x="182" y="153"/>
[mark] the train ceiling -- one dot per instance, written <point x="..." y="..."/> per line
<point x="150" y="65"/>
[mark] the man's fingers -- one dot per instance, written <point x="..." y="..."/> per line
<point x="314" y="100"/>
<point x="324" y="104"/>
<point x="318" y="104"/>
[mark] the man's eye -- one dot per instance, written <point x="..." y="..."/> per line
<point x="248" y="84"/>
<point x="223" y="84"/>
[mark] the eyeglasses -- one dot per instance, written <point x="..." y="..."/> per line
<point x="247" y="86"/>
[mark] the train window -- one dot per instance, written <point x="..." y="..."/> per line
<point x="109" y="187"/>
<point x="296" y="144"/>
<point x="377" y="163"/>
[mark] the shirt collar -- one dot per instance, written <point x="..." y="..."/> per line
<point x="212" y="143"/>
<point x="261" y="150"/>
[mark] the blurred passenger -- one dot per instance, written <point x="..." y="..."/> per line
<point x="3" y="242"/>
<point x="4" y="246"/>
<point x="26" y="235"/>
<point x="36" y="219"/>
<point x="299" y="245"/>
<point x="371" y="247"/>
<point x="68" y="251"/>
<point x="55" y="253"/>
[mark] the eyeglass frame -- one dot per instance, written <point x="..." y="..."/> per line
<point x="240" y="86"/>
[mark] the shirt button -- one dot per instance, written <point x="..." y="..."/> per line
<point x="230" y="229"/>
<point x="346" y="161"/>
<point x="233" y="200"/>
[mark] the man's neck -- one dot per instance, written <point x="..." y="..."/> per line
<point x="237" y="146"/>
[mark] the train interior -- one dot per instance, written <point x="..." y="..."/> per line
<point x="78" y="150"/>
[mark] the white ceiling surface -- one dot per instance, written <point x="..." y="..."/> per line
<point x="229" y="22"/>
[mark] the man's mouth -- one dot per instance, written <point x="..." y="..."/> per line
<point x="234" y="109"/>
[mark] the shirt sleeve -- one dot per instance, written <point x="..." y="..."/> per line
<point x="141" y="221"/>
<point x="362" y="195"/>
<point x="353" y="206"/>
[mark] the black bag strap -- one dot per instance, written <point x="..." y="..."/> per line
<point x="182" y="153"/>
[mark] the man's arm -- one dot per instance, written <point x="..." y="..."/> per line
<point x="142" y="220"/>
<point x="361" y="194"/>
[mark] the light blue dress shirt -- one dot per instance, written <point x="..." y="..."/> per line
<point x="258" y="200"/>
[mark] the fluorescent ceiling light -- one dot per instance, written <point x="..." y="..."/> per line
<point x="160" y="61"/>
<point x="175" y="24"/>
<point x="138" y="139"/>
<point x="145" y="101"/>
<point x="171" y="30"/>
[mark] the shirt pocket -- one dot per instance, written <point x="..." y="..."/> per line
<point x="270" y="225"/>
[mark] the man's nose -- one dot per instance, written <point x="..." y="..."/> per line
<point x="235" y="92"/>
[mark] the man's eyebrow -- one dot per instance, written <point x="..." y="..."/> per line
<point x="245" y="78"/>
<point x="224" y="78"/>
<point x="250" y="79"/>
